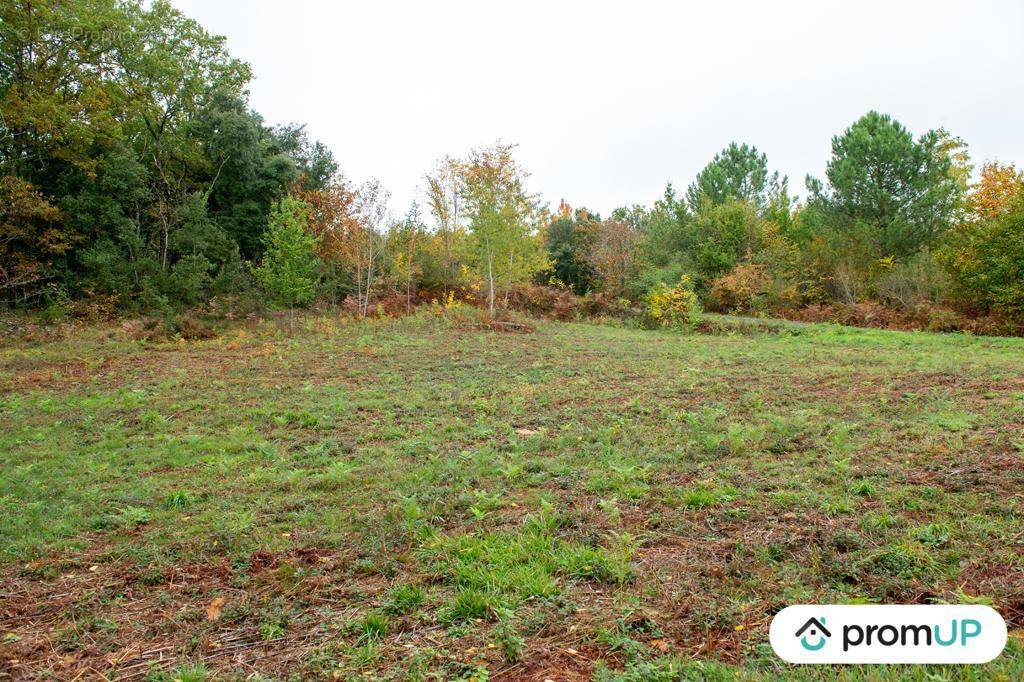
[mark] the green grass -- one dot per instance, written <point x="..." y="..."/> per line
<point x="402" y="498"/>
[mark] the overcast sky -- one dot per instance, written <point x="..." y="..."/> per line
<point x="608" y="101"/>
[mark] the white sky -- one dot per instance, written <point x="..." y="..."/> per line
<point x="609" y="100"/>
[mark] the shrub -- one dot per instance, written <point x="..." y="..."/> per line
<point x="537" y="299"/>
<point x="719" y="236"/>
<point x="986" y="258"/>
<point x="456" y="314"/>
<point x="600" y="304"/>
<point x="742" y="289"/>
<point x="191" y="327"/>
<point x="920" y="281"/>
<point x="648" y="279"/>
<point x="561" y="303"/>
<point x="674" y="306"/>
<point x="942" y="319"/>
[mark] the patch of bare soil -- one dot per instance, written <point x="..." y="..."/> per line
<point x="122" y="621"/>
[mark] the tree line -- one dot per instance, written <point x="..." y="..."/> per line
<point x="133" y="171"/>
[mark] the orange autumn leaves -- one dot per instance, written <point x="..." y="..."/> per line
<point x="998" y="187"/>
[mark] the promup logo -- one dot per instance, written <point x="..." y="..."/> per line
<point x="817" y="629"/>
<point x="888" y="634"/>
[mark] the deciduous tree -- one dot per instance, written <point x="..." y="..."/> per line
<point x="503" y="245"/>
<point x="444" y="198"/>
<point x="985" y="253"/>
<point x="998" y="187"/>
<point x="288" y="271"/>
<point x="366" y="243"/>
<point x="333" y="221"/>
<point x="29" y="236"/>
<point x="612" y="253"/>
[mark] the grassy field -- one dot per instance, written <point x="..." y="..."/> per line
<point x="403" y="499"/>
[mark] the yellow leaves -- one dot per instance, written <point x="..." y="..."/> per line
<point x="235" y="344"/>
<point x="742" y="288"/>
<point x="213" y="611"/>
<point x="671" y="306"/>
<point x="998" y="187"/>
<point x="28" y="234"/>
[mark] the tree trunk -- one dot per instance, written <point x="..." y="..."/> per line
<point x="369" y="278"/>
<point x="490" y="281"/>
<point x="508" y="279"/>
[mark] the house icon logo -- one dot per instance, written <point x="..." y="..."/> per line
<point x="815" y="631"/>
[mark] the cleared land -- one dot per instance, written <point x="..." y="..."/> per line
<point x="403" y="498"/>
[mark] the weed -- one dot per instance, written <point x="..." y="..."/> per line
<point x="704" y="496"/>
<point x="179" y="499"/>
<point x="863" y="487"/>
<point x="509" y="641"/>
<point x="932" y="535"/>
<point x="404" y="599"/>
<point x="373" y="627"/>
<point x="473" y="604"/>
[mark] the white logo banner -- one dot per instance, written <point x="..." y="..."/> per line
<point x="888" y="634"/>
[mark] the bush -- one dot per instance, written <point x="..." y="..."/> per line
<point x="919" y="282"/>
<point x="192" y="327"/>
<point x="986" y="258"/>
<point x="455" y="314"/>
<point x="675" y="306"/>
<point x="562" y="304"/>
<point x="649" y="279"/>
<point x="719" y="236"/>
<point x="536" y="299"/>
<point x="742" y="289"/>
<point x="601" y="304"/>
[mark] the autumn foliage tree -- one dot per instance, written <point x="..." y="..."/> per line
<point x="332" y="220"/>
<point x="612" y="253"/>
<point x="444" y="198"/>
<point x="350" y="225"/>
<point x="985" y="254"/>
<point x="30" y="236"/>
<point x="999" y="186"/>
<point x="503" y="245"/>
